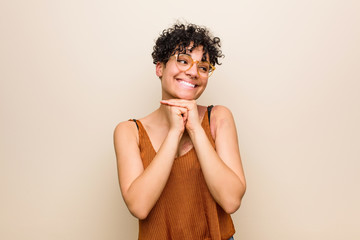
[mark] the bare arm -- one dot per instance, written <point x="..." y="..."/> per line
<point x="142" y="188"/>
<point x="222" y="167"/>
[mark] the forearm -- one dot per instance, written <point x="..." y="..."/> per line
<point x="223" y="183"/>
<point x="144" y="192"/>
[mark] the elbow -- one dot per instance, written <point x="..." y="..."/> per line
<point x="139" y="215"/>
<point x="232" y="207"/>
<point x="232" y="204"/>
<point x="137" y="211"/>
<point x="137" y="206"/>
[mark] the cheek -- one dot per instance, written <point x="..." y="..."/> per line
<point x="170" y="74"/>
<point x="205" y="83"/>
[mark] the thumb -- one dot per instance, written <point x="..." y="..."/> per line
<point x="185" y="115"/>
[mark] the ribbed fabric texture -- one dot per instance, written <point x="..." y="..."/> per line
<point x="185" y="210"/>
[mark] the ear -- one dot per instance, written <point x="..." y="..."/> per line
<point x="159" y="69"/>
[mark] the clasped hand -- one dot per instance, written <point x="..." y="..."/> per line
<point x="182" y="113"/>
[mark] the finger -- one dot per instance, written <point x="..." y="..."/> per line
<point x="185" y="115"/>
<point x="170" y="103"/>
<point x="180" y="111"/>
<point x="183" y="111"/>
<point x="178" y="103"/>
<point x="164" y="102"/>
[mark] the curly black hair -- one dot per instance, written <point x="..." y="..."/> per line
<point x="181" y="36"/>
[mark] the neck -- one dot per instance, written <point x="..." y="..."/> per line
<point x="161" y="116"/>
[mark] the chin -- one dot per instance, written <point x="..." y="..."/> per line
<point x="187" y="97"/>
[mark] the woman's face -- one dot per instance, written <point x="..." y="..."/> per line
<point x="181" y="84"/>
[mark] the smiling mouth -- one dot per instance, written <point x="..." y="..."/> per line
<point x="187" y="84"/>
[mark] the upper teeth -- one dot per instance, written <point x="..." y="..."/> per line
<point x="188" y="84"/>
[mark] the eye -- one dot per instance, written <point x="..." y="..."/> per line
<point x="183" y="59"/>
<point x="204" y="67"/>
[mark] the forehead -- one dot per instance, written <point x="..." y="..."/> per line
<point x="191" y="48"/>
<point x="196" y="52"/>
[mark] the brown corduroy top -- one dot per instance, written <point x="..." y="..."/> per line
<point x="185" y="209"/>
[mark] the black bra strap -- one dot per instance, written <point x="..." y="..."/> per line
<point x="136" y="123"/>
<point x="209" y="108"/>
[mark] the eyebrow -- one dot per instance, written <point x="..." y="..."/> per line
<point x="203" y="58"/>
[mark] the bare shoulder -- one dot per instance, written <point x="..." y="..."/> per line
<point x="126" y="130"/>
<point x="221" y="117"/>
<point x="125" y="125"/>
<point x="220" y="111"/>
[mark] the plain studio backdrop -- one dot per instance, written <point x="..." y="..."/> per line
<point x="71" y="70"/>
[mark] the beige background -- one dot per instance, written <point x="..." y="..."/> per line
<point x="71" y="70"/>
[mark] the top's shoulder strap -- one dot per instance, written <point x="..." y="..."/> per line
<point x="209" y="108"/>
<point x="135" y="123"/>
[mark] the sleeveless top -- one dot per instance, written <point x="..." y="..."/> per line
<point x="185" y="208"/>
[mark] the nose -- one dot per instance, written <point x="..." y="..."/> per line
<point x="193" y="71"/>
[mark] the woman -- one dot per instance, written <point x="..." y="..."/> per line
<point x="179" y="167"/>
